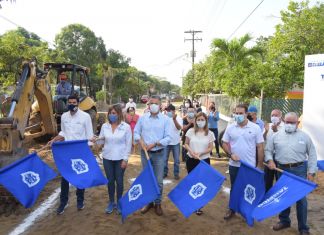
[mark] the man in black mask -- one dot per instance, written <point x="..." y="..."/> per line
<point x="75" y="125"/>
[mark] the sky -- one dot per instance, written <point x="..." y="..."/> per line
<point x="150" y="32"/>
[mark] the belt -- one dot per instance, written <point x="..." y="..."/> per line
<point x="155" y="151"/>
<point x="291" y="165"/>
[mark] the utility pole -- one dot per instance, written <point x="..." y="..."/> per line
<point x="193" y="53"/>
<point x="193" y="39"/>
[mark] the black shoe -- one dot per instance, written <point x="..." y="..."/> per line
<point x="60" y="209"/>
<point x="280" y="226"/>
<point x="164" y="176"/>
<point x="229" y="214"/>
<point x="80" y="206"/>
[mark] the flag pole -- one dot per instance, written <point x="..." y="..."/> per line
<point x="277" y="169"/>
<point x="42" y="148"/>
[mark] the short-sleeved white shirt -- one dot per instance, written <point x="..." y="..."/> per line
<point x="199" y="141"/>
<point x="175" y="133"/>
<point x="243" y="141"/>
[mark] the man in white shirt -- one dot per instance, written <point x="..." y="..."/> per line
<point x="270" y="129"/>
<point x="75" y="125"/>
<point x="241" y="141"/>
<point x="130" y="103"/>
<point x="174" y="145"/>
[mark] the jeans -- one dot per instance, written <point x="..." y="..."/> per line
<point x="157" y="161"/>
<point x="176" y="159"/>
<point x="191" y="163"/>
<point x="269" y="176"/>
<point x="301" y="206"/>
<point x="115" y="176"/>
<point x="215" y="131"/>
<point x="233" y="170"/>
<point x="64" y="196"/>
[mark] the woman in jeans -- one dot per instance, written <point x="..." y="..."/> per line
<point x="117" y="142"/>
<point x="199" y="143"/>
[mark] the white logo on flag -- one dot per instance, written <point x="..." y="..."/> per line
<point x="249" y="193"/>
<point x="274" y="198"/>
<point x="30" y="178"/>
<point x="135" y="192"/>
<point x="197" y="190"/>
<point x="79" y="166"/>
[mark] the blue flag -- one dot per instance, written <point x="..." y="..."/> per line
<point x="77" y="164"/>
<point x="26" y="178"/>
<point x="287" y="190"/>
<point x="143" y="191"/>
<point x="247" y="192"/>
<point x="196" y="189"/>
<point x="320" y="165"/>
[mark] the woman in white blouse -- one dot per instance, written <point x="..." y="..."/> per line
<point x="117" y="147"/>
<point x="199" y="144"/>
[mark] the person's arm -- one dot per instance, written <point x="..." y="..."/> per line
<point x="269" y="148"/>
<point x="88" y="127"/>
<point x="190" y="151"/>
<point x="189" y="125"/>
<point x="216" y="116"/>
<point x="312" y="159"/>
<point x="260" y="150"/>
<point x="227" y="147"/>
<point x="128" y="142"/>
<point x="138" y="130"/>
<point x="176" y="123"/>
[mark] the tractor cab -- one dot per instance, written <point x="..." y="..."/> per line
<point x="71" y="79"/>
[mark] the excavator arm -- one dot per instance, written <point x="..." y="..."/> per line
<point x="15" y="129"/>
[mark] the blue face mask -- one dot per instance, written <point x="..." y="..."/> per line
<point x="72" y="107"/>
<point x="113" y="118"/>
<point x="239" y="118"/>
<point x="191" y="115"/>
<point x="170" y="114"/>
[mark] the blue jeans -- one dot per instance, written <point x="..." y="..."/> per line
<point x="176" y="159"/>
<point x="157" y="161"/>
<point x="64" y="196"/>
<point x="233" y="170"/>
<point x="115" y="176"/>
<point x="301" y="206"/>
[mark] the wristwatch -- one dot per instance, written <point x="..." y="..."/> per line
<point x="229" y="155"/>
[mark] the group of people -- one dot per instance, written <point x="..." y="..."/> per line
<point x="158" y="131"/>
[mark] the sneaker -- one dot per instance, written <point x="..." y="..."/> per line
<point x="229" y="214"/>
<point x="164" y="176"/>
<point x="60" y="209"/>
<point x="80" y="206"/>
<point x="110" y="208"/>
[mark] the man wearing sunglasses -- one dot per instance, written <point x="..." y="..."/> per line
<point x="293" y="147"/>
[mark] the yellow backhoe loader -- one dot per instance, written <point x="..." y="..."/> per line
<point x="35" y="113"/>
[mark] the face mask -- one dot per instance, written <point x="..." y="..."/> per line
<point x="275" y="120"/>
<point x="290" y="128"/>
<point x="112" y="118"/>
<point x="191" y="115"/>
<point x="72" y="107"/>
<point x="249" y="117"/>
<point x="187" y="105"/>
<point x="170" y="114"/>
<point x="154" y="108"/>
<point x="201" y="124"/>
<point x="132" y="113"/>
<point x="131" y="100"/>
<point x="62" y="81"/>
<point x="239" y="118"/>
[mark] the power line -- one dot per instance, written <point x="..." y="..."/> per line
<point x="17" y="25"/>
<point x="245" y="19"/>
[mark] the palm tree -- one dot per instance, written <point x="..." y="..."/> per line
<point x="235" y="51"/>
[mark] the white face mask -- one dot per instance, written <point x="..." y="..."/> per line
<point x="290" y="128"/>
<point x="201" y="124"/>
<point x="131" y="100"/>
<point x="275" y="120"/>
<point x="154" y="108"/>
<point x="187" y="105"/>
